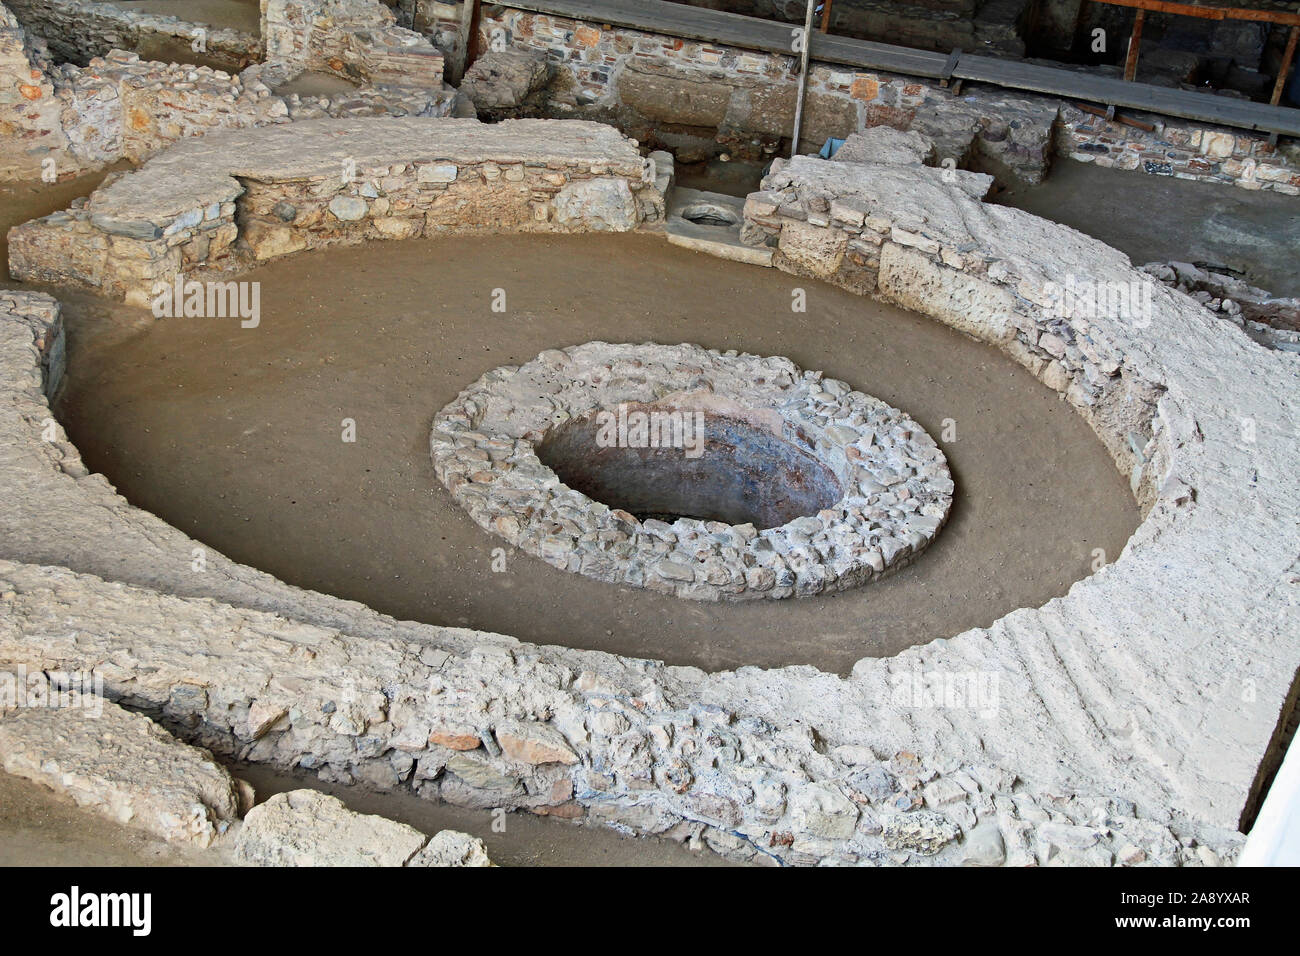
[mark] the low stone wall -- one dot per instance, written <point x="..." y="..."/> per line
<point x="31" y="121"/>
<point x="1183" y="150"/>
<point x="319" y="183"/>
<point x="1128" y="718"/>
<point x="358" y="39"/>
<point x="864" y="231"/>
<point x="77" y="31"/>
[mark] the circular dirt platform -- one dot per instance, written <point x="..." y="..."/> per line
<point x="703" y="474"/>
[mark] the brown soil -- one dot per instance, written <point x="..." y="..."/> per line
<point x="233" y="435"/>
<point x="317" y="84"/>
<point x="39" y="827"/>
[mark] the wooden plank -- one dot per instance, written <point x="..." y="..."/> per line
<point x="1167" y="101"/>
<point x="949" y="65"/>
<point x="1209" y="12"/>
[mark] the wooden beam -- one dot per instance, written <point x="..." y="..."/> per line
<point x="1134" y="42"/>
<point x="460" y="61"/>
<point x="472" y="50"/>
<point x="949" y="67"/>
<point x="1208" y="12"/>
<point x="826" y="16"/>
<point x="1285" y="68"/>
<point x="1110" y="114"/>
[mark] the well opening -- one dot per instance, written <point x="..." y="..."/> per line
<point x="669" y="463"/>
<point x="710" y="214"/>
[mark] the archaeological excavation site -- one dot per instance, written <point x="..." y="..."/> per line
<point x="672" y="433"/>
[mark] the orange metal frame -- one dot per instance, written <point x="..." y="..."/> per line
<point x="1209" y="13"/>
<point x="1183" y="10"/>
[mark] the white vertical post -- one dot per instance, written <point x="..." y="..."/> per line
<point x="803" y="75"/>
<point x="1275" y="838"/>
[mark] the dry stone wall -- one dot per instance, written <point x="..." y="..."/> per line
<point x="77" y="31"/>
<point x="1182" y="150"/>
<point x="65" y="119"/>
<point x="876" y="228"/>
<point x="319" y="183"/>
<point x="358" y="39"/>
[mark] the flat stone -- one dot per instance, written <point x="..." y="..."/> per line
<point x="121" y="765"/>
<point x="309" y="828"/>
<point x="348" y="208"/>
<point x="534" y="743"/>
<point x="983" y="846"/>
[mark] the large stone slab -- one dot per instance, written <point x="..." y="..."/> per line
<point x="119" y="764"/>
<point x="309" y="828"/>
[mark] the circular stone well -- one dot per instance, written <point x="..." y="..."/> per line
<point x="704" y="474"/>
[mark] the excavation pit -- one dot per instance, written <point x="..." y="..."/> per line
<point x="663" y="463"/>
<point x="703" y="474"/>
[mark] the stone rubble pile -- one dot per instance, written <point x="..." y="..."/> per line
<point x="1270" y="320"/>
<point x="502" y="82"/>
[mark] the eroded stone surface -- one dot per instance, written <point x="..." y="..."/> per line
<point x="503" y="80"/>
<point x="309" y="828"/>
<point x="119" y="764"/>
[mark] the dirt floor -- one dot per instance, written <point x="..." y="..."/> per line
<point x="39" y="827"/>
<point x="1159" y="218"/>
<point x="234" y="436"/>
<point x="316" y="84"/>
